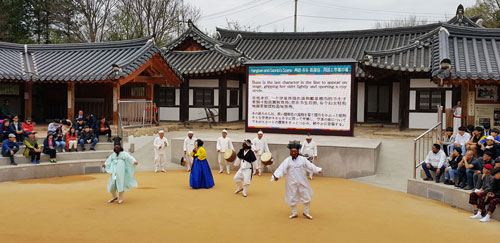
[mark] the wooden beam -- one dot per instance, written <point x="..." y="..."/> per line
<point x="222" y="99"/>
<point x="116" y="99"/>
<point x="184" y="101"/>
<point x="71" y="99"/>
<point x="28" y="99"/>
<point x="404" y="105"/>
<point x="137" y="72"/>
<point x="149" y="91"/>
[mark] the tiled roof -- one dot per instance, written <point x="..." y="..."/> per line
<point x="473" y="53"/>
<point x="218" y="56"/>
<point x="74" y="62"/>
<point x="323" y="45"/>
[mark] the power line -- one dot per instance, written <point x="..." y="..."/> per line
<point x="266" y="9"/>
<point x="276" y="21"/>
<point x="238" y="11"/>
<point x="360" y="19"/>
<point x="230" y="9"/>
<point x="379" y="11"/>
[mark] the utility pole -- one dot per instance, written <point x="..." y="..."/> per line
<point x="295" y="18"/>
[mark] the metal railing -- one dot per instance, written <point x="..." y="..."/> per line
<point x="135" y="114"/>
<point x="423" y="143"/>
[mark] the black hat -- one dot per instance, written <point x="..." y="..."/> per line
<point x="494" y="171"/>
<point x="294" y="145"/>
<point x="248" y="142"/>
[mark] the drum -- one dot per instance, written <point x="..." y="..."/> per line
<point x="230" y="155"/>
<point x="183" y="161"/>
<point x="266" y="158"/>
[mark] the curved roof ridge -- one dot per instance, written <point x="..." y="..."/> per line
<point x="76" y="46"/>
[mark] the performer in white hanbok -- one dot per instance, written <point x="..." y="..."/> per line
<point x="188" y="148"/>
<point x="297" y="189"/>
<point x="457" y="117"/>
<point x="224" y="143"/>
<point x="259" y="146"/>
<point x="246" y="158"/>
<point x="160" y="146"/>
<point x="310" y="151"/>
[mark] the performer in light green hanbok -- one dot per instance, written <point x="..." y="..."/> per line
<point x="121" y="166"/>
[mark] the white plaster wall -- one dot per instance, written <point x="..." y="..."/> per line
<point x="448" y="98"/>
<point x="413" y="99"/>
<point x="212" y="83"/>
<point x="170" y="114"/>
<point x="422" y="83"/>
<point x="197" y="113"/>
<point x="177" y="96"/>
<point x="233" y="84"/>
<point x="361" y="102"/>
<point x="216" y="97"/>
<point x="395" y="102"/>
<point x="420" y="120"/>
<point x="191" y="97"/>
<point x="232" y="114"/>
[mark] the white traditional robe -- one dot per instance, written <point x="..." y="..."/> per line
<point x="259" y="145"/>
<point x="188" y="148"/>
<point x="160" y="148"/>
<point x="309" y="149"/>
<point x="244" y="172"/>
<point x="297" y="189"/>
<point x="223" y="144"/>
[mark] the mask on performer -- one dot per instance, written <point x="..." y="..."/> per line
<point x="294" y="153"/>
<point x="245" y="146"/>
<point x="117" y="149"/>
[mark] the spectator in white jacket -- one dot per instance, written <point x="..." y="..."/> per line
<point x="435" y="161"/>
<point x="461" y="140"/>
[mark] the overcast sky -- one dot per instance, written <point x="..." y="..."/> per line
<point x="320" y="15"/>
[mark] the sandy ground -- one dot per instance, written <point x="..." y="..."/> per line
<point x="165" y="209"/>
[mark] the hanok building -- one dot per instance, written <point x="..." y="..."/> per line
<point x="401" y="76"/>
<point x="52" y="81"/>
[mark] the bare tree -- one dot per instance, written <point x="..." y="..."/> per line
<point x="235" y="25"/>
<point x="94" y="16"/>
<point x="402" y="22"/>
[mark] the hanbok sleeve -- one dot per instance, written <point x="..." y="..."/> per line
<point x="129" y="159"/>
<point x="157" y="143"/>
<point x="218" y="144"/>
<point x="311" y="168"/>
<point x="278" y="173"/>
<point x="107" y="164"/>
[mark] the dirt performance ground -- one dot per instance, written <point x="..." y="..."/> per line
<point x="165" y="209"/>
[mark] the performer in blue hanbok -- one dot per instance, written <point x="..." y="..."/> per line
<point x="121" y="166"/>
<point x="201" y="175"/>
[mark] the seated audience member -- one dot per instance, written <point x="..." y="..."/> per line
<point x="28" y="127"/>
<point x="461" y="139"/>
<point x="494" y="134"/>
<point x="447" y="141"/>
<point x="487" y="130"/>
<point x="10" y="148"/>
<point x="497" y="163"/>
<point x="53" y="126"/>
<point x="65" y="126"/>
<point x="60" y="141"/>
<point x="17" y="127"/>
<point x="475" y="167"/>
<point x="80" y="115"/>
<point x="482" y="180"/>
<point x="33" y="148"/>
<point x="49" y="147"/>
<point x="79" y="125"/>
<point x="490" y="197"/>
<point x="5" y="112"/>
<point x="103" y="128"/>
<point x="5" y="130"/>
<point x="473" y="143"/>
<point x="451" y="171"/>
<point x="90" y="121"/>
<point x="470" y="129"/>
<point x="71" y="140"/>
<point x="87" y="137"/>
<point x="434" y="161"/>
<point x="462" y="169"/>
<point x="491" y="146"/>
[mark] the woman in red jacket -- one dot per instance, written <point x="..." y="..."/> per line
<point x="71" y="139"/>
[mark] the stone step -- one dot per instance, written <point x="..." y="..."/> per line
<point x="46" y="170"/>
<point x="68" y="156"/>
<point x="99" y="146"/>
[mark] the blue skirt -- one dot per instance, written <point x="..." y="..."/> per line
<point x="201" y="175"/>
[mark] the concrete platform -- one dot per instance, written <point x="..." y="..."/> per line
<point x="46" y="170"/>
<point x="443" y="193"/>
<point x="341" y="157"/>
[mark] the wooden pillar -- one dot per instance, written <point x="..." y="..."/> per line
<point x="71" y="100"/>
<point x="184" y="100"/>
<point x="404" y="105"/>
<point x="116" y="98"/>
<point x="149" y="91"/>
<point x="240" y="100"/>
<point x="28" y="99"/>
<point x="223" y="98"/>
